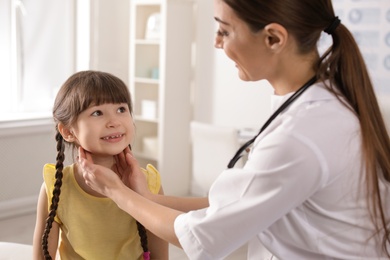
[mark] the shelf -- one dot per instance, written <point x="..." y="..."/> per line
<point x="141" y="118"/>
<point x="146" y="80"/>
<point x="147" y="58"/>
<point x="143" y="10"/>
<point x="147" y="41"/>
<point x="160" y="80"/>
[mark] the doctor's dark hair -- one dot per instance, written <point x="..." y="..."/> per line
<point x="80" y="91"/>
<point x="343" y="65"/>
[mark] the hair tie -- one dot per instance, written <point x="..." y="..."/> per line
<point x="333" y="25"/>
<point x="146" y="255"/>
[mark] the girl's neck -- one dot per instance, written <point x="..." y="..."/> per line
<point x="105" y="161"/>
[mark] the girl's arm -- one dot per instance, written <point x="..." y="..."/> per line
<point x="42" y="213"/>
<point x="158" y="247"/>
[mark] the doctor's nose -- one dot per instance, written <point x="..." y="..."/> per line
<point x="218" y="43"/>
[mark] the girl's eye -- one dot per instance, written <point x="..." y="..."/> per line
<point x="122" y="109"/>
<point x="222" y="33"/>
<point x="97" y="113"/>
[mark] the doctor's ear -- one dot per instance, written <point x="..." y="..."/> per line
<point x="66" y="133"/>
<point x="276" y="36"/>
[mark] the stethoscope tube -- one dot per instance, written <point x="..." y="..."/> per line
<point x="288" y="102"/>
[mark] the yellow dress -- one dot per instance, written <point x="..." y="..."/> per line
<point x="92" y="227"/>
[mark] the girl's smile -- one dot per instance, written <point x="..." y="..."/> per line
<point x="113" y="138"/>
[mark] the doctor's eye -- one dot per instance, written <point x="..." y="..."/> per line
<point x="222" y="33"/>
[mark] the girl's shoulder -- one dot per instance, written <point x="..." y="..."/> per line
<point x="153" y="178"/>
<point x="49" y="172"/>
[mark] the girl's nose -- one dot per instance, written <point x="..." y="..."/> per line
<point x="112" y="122"/>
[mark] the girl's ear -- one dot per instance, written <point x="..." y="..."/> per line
<point x="66" y="133"/>
<point x="276" y="37"/>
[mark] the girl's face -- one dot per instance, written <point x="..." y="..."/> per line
<point x="103" y="130"/>
<point x="245" y="48"/>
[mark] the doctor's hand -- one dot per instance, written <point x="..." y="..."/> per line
<point x="130" y="172"/>
<point x="122" y="168"/>
<point x="126" y="171"/>
<point x="99" y="178"/>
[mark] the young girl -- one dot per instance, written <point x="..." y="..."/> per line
<point x="92" y="110"/>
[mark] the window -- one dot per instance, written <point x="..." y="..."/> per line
<point x="37" y="54"/>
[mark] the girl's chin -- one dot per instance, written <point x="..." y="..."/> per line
<point x="106" y="153"/>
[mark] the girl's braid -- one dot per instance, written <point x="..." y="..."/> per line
<point x="56" y="194"/>
<point x="143" y="237"/>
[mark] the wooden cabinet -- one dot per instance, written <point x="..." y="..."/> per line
<point x="160" y="81"/>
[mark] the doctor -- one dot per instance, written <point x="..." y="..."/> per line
<point x="316" y="182"/>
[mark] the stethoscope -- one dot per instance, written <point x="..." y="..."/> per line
<point x="288" y="102"/>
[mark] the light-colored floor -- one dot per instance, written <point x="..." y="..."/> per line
<point x="20" y="230"/>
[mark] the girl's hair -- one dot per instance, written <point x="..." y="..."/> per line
<point x="82" y="90"/>
<point x="344" y="66"/>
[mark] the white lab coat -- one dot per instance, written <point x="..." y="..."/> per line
<point x="299" y="194"/>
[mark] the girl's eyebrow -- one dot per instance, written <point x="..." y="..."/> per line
<point x="220" y="21"/>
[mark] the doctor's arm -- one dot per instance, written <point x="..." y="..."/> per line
<point x="130" y="173"/>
